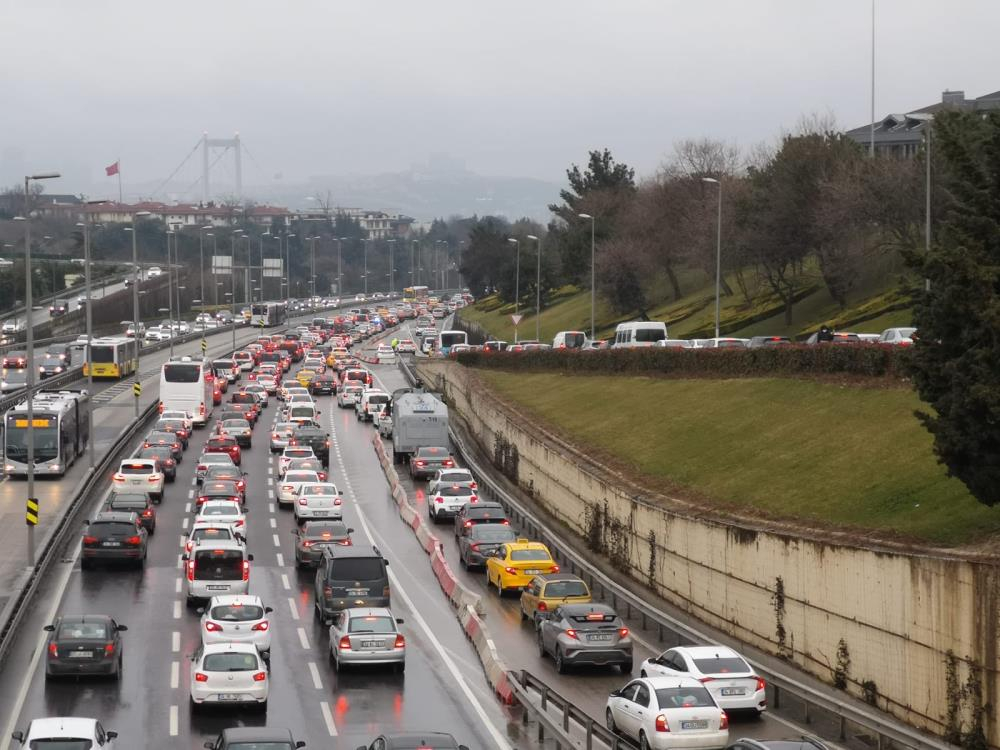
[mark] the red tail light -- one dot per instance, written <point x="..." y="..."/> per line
<point x="153" y="479"/>
<point x="724" y="721"/>
<point x="246" y="570"/>
<point x="274" y="436"/>
<point x="90" y="540"/>
<point x="448" y="462"/>
<point x="201" y="408"/>
<point x="148" y="513"/>
<point x="133" y="540"/>
<point x="345" y="643"/>
<point x="200" y="677"/>
<point x="53" y="649"/>
<point x="307" y="543"/>
<point x="661" y="724"/>
<point x="473" y="486"/>
<point x="554" y="569"/>
<point x="467" y="524"/>
<point x="190" y="570"/>
<point x="505" y="522"/>
<point x="400" y="641"/>
<point x="439" y="499"/>
<point x="474" y="498"/>
<point x="543" y="607"/>
<point x="703" y="680"/>
<point x="303" y="501"/>
<point x="259" y="676"/>
<point x="761" y="684"/>
<point x="572" y="634"/>
<point x="261" y="626"/>
<point x="623" y="632"/>
<point x="119" y="477"/>
<point x="159" y="407"/>
<point x="109" y="648"/>
<point x="511" y="571"/>
<point x="421" y="463"/>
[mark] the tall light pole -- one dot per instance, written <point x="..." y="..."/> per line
<point x="517" y="279"/>
<point x="413" y="246"/>
<point x="927" y="207"/>
<point x="88" y="295"/>
<point x="232" y="279"/>
<point x="538" y="288"/>
<point x="718" y="251"/>
<point x="593" y="277"/>
<point x="215" y="284"/>
<point x="30" y="344"/>
<point x="340" y="275"/>
<point x="170" y="292"/>
<point x="871" y="144"/>
<point x="392" y="260"/>
<point x="288" y="266"/>
<point x="312" y="264"/>
<point x="366" y="267"/>
<point x="136" y="275"/>
<point x="201" y="263"/>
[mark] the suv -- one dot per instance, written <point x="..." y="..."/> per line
<point x="114" y="535"/>
<point x="351" y="577"/>
<point x="315" y="438"/>
<point x="217" y="568"/>
<point x="59" y="307"/>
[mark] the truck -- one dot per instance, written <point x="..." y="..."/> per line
<point x="419" y="420"/>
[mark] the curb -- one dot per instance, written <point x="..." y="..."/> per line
<point x="467" y="604"/>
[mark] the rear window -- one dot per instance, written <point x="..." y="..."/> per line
<point x="574" y="340"/>
<point x="489" y="532"/>
<point x="222" y="364"/>
<point x="357" y="569"/>
<point x="232" y="662"/>
<point x="72" y="631"/>
<point x="529" y="554"/>
<point x="722" y="665"/>
<point x="299" y="453"/>
<point x="648" y="334"/>
<point x="431" y="452"/>
<point x="109" y="528"/>
<point x="479" y="513"/>
<point x="127" y="506"/>
<point x="136" y="468"/>
<point x="371" y="624"/>
<point x="566" y="588"/>
<point x="218" y="564"/>
<point x="301" y="411"/>
<point x="383" y="399"/>
<point x="692" y="697"/>
<point x="228" y="509"/>
<point x="325" y="489"/>
<point x="210" y="534"/>
<point x="237" y="612"/>
<point x="454" y="491"/>
<point x="321" y="529"/>
<point x="181" y="373"/>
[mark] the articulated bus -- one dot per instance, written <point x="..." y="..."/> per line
<point x="60" y="428"/>
<point x="415" y="293"/>
<point x="113" y="357"/>
<point x="267" y="314"/>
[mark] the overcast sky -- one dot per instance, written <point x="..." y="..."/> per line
<point x="514" y="88"/>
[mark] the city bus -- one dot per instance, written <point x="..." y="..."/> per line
<point x="447" y="339"/>
<point x="267" y="314"/>
<point x="415" y="293"/>
<point x="60" y="424"/>
<point x="187" y="384"/>
<point x="113" y="357"/>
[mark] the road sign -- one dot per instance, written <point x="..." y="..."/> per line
<point x="516" y="319"/>
<point x="137" y="389"/>
<point x="204" y="346"/>
<point x="31" y="514"/>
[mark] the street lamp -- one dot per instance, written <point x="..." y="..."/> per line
<point x="30" y="343"/>
<point x="232" y="279"/>
<point x="538" y="288"/>
<point x="593" y="284"/>
<point x="392" y="261"/>
<point x="718" y="252"/>
<point x="136" y="275"/>
<point x="85" y="224"/>
<point x="170" y="293"/>
<point x="201" y="260"/>
<point x="340" y="279"/>
<point x="517" y="281"/>
<point x="366" y="267"/>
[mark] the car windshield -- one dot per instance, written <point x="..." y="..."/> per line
<point x="233" y="662"/>
<point x="371" y="624"/>
<point x="686" y="697"/>
<point x="78" y="631"/>
<point x="559" y="589"/>
<point x="524" y="555"/>
<point x="489" y="532"/>
<point x="61" y="743"/>
<point x="721" y="665"/>
<point x="237" y="612"/>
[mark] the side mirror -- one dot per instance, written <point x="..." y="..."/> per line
<point x="300" y="743"/>
<point x="111" y="734"/>
<point x="49" y="628"/>
<point x="209" y="745"/>
<point x="399" y="620"/>
<point x="350" y="531"/>
<point x="185" y="556"/>
<point x="327" y="623"/>
<point x="615" y="693"/>
<point x="250" y="558"/>
<point x="268" y="609"/>
<point x="122" y="628"/>
<point x="19" y="736"/>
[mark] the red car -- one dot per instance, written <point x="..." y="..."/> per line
<point x="224" y="444"/>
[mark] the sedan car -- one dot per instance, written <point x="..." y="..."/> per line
<point x="161" y="437"/>
<point x="516" y="563"/>
<point x="220" y="489"/>
<point x="667" y="712"/>
<point x="239" y="429"/>
<point x="308" y="464"/>
<point x="114" y="536"/>
<point x="211" y="531"/>
<point x="481" y="541"/>
<point x="288" y="488"/>
<point x="483" y="512"/>
<point x="50" y="367"/>
<point x="312" y="537"/>
<point x="427" y="461"/>
<point x="211" y="459"/>
<point x="448" y="499"/>
<point x="591" y="634"/>
<point x="66" y="731"/>
<point x="140" y="503"/>
<point x="366" y="636"/>
<point x="83" y="644"/>
<point x="318" y="500"/>
<point x="548" y="591"/>
<point x="733" y="683"/>
<point x="227" y="473"/>
<point x="259" y="390"/>
<point x="281" y="435"/>
<point x="290" y="452"/>
<point x="225" y="444"/>
<point x="15" y="360"/>
<point x="246" y="738"/>
<point x="184" y="416"/>
<point x="232" y="674"/>
<point x="406" y="346"/>
<point x="237" y="618"/>
<point x="349" y="395"/>
<point x="222" y="511"/>
<point x="323" y="385"/>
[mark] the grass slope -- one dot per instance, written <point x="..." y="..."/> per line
<point x="852" y="457"/>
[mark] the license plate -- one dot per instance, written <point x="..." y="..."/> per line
<point x="599" y="637"/>
<point x="321" y="512"/>
<point x="229" y="697"/>
<point x="533" y="571"/>
<point x="218" y="588"/>
<point x="734" y="691"/>
<point x="81" y="654"/>
<point x="702" y="724"/>
<point x="372" y="644"/>
<point x="357" y="592"/>
<point x="112" y="544"/>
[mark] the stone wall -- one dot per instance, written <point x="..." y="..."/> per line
<point x="919" y="630"/>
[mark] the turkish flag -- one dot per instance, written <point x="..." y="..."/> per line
<point x="112" y="170"/>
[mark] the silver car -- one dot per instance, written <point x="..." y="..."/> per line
<point x="281" y="435"/>
<point x="367" y="635"/>
<point x="591" y="634"/>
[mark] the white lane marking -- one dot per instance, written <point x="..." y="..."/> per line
<point x="184" y="523"/>
<point x="174" y="723"/>
<point x="317" y="682"/>
<point x="180" y="561"/>
<point x="274" y="523"/>
<point x="281" y="559"/>
<point x="187" y="507"/>
<point x="183" y="541"/>
<point x="175" y="674"/>
<point x="277" y="542"/>
<point x="177" y="586"/>
<point x="177" y="610"/>
<point x="285" y="584"/>
<point x="175" y="641"/>
<point x="293" y="608"/>
<point x="190" y="494"/>
<point x="270" y="507"/>
<point x="303" y="638"/>
<point x="324" y="707"/>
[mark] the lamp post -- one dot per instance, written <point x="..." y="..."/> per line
<point x="30" y="344"/>
<point x="340" y="275"/>
<point x="718" y="251"/>
<point x="413" y="246"/>
<point x="593" y="277"/>
<point x="392" y="260"/>
<point x="201" y="262"/>
<point x="170" y="292"/>
<point x="517" y="279"/>
<point x="232" y="279"/>
<point x="215" y="253"/>
<point x="366" y="267"/>
<point x="136" y="275"/>
<point x="85" y="224"/>
<point x="538" y="287"/>
<point x="288" y="268"/>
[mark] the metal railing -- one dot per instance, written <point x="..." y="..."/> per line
<point x="886" y="731"/>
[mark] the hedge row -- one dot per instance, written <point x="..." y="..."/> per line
<point x="862" y="360"/>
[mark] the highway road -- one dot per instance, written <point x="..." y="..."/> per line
<point x="41" y="315"/>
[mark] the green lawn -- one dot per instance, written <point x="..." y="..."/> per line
<point x="852" y="457"/>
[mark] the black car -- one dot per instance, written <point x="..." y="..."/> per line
<point x="59" y="307"/>
<point x="163" y="454"/>
<point x="50" y="367"/>
<point x="315" y="438"/>
<point x="231" y="473"/>
<point x="324" y="384"/>
<point x="480" y="541"/>
<point x="169" y="439"/>
<point x="220" y="489"/>
<point x="176" y="426"/>
<point x="84" y="644"/>
<point x="476" y="513"/>
<point x="242" y="738"/>
<point x="134" y="502"/>
<point x="414" y="740"/>
<point x="312" y="537"/>
<point x="350" y="576"/>
<point x="63" y="351"/>
<point x="114" y="536"/>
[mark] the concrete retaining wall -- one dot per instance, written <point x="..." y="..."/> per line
<point x="920" y="631"/>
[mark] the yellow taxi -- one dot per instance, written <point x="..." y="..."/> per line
<point x="305" y="376"/>
<point x="516" y="563"/>
<point x="550" y="590"/>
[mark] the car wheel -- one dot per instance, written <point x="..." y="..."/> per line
<point x="118" y="669"/>
<point x="524" y="615"/>
<point x="499" y="587"/>
<point x="334" y="660"/>
<point x="626" y="667"/>
<point x="400" y="667"/>
<point x="643" y="742"/>
<point x="152" y="529"/>
<point x="262" y="706"/>
<point x="432" y="515"/>
<point x="561" y="665"/>
<point x="85" y="564"/>
<point x="462" y="560"/>
<point x="643" y="674"/>
<point x="540" y="644"/>
<point x="609" y="721"/>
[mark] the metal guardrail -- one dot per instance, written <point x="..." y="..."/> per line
<point x="886" y="731"/>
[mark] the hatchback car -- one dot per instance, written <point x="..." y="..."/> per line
<point x="239" y="429"/>
<point x="448" y="499"/>
<point x="161" y="437"/>
<point x="223" y="511"/>
<point x="177" y="426"/>
<point x="250" y="738"/>
<point x="482" y="512"/>
<point x="231" y="674"/>
<point x="219" y="489"/>
<point x="281" y="435"/>
<point x="308" y="464"/>
<point x="548" y="591"/>
<point x="349" y="395"/>
<point x="114" y="536"/>
<point x="732" y="682"/>
<point x="165" y="457"/>
<point x="312" y="537"/>
<point x="50" y="367"/>
<point x="242" y="618"/>
<point x="452" y="476"/>
<point x="227" y="473"/>
<point x="366" y="636"/>
<point x="211" y="459"/>
<point x="225" y="444"/>
<point x="84" y="644"/>
<point x="427" y="461"/>
<point x="211" y="531"/>
<point x="140" y="503"/>
<point x="139" y="475"/>
<point x="482" y="540"/>
<point x="667" y="712"/>
<point x="66" y="731"/>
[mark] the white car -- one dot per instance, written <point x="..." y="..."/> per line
<point x="66" y="731"/>
<point x="229" y="673"/>
<point x="222" y="511"/>
<point x="185" y="416"/>
<point x="349" y="395"/>
<point x="386" y="355"/>
<point x="452" y="476"/>
<point x="211" y="531"/>
<point x="288" y="488"/>
<point x="153" y="272"/>
<point x="406" y="346"/>
<point x="208" y="459"/>
<point x="138" y="475"/>
<point x="728" y="677"/>
<point x="245" y="360"/>
<point x="290" y="452"/>
<point x="663" y="713"/>
<point x="372" y="401"/>
<point x="448" y="499"/>
<point x="281" y="434"/>
<point x="130" y="329"/>
<point x="258" y="390"/>
<point x="242" y="618"/>
<point x="269" y="383"/>
<point x="897" y="336"/>
<point x="314" y="363"/>
<point x="318" y="500"/>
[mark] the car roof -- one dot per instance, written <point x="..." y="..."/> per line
<point x="707" y="652"/>
<point x="585" y="609"/>
<point x="84" y="618"/>
<point x="62" y="726"/>
<point x="527" y="545"/>
<point x="231" y="646"/>
<point x="409" y="740"/>
<point x="224" y="600"/>
<point x="114" y="515"/>
<point x="660" y="682"/>
<point x="368" y="612"/>
<point x="256" y="734"/>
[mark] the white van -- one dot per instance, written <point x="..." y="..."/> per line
<point x="569" y="340"/>
<point x="646" y="333"/>
<point x="186" y="384"/>
<point x="303" y="413"/>
<point x="216" y="568"/>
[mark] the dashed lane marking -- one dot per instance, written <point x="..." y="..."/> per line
<point x="174" y="723"/>
<point x="314" y="671"/>
<point x="324" y="708"/>
<point x="293" y="608"/>
<point x="303" y="638"/>
<point x="175" y="675"/>
<point x="175" y="641"/>
<point x="281" y="560"/>
<point x="285" y="583"/>
<point x="177" y="610"/>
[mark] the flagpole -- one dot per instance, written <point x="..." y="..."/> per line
<point x="119" y="163"/>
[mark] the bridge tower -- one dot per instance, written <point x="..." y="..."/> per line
<point x="207" y="144"/>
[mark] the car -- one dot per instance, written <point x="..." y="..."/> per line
<point x="383" y="422"/>
<point x="548" y="591"/>
<point x="239" y="618"/>
<point x="516" y="563"/>
<point x="308" y="464"/>
<point x="139" y="474"/>
<point x="350" y="576"/>
<point x="448" y="499"/>
<point x="897" y="336"/>
<point x="13" y="325"/>
<point x="176" y="426"/>
<point x="316" y="363"/>
<point x="258" y="390"/>
<point x="238" y="429"/>
<point x="231" y="674"/>
<point x="733" y="683"/>
<point x="67" y="732"/>
<point x="281" y="434"/>
<point x="318" y="500"/>
<point x="372" y="401"/>
<point x="804" y="742"/>
<point x="482" y="512"/>
<point x="768" y="342"/>
<point x="225" y="444"/>
<point x="83" y="644"/>
<point x="323" y="385"/>
<point x="425" y="461"/>
<point x="211" y="531"/>
<point x="317" y="438"/>
<point x="305" y="376"/>
<point x="409" y="740"/>
<point x="165" y="457"/>
<point x="349" y="395"/>
<point x="244" y="360"/>
<point x="269" y="382"/>
<point x="480" y="541"/>
<point x="114" y="536"/>
<point x="63" y="351"/>
<point x="251" y="738"/>
<point x="385" y="354"/>
<point x="216" y="567"/>
<point x="140" y="503"/>
<point x="406" y="346"/>
<point x="662" y="713"/>
<point x="15" y="360"/>
<point x="223" y="511"/>
<point x="14" y="380"/>
<point x="364" y="636"/>
<point x="590" y="634"/>
<point x="153" y="272"/>
<point x="185" y="416"/>
<point x="228" y="368"/>
<point x="50" y="367"/>
<point x="312" y="537"/>
<point x="170" y="439"/>
<point x="452" y="476"/>
<point x="219" y="489"/>
<point x="227" y="473"/>
<point x="290" y="452"/>
<point x="205" y="460"/>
